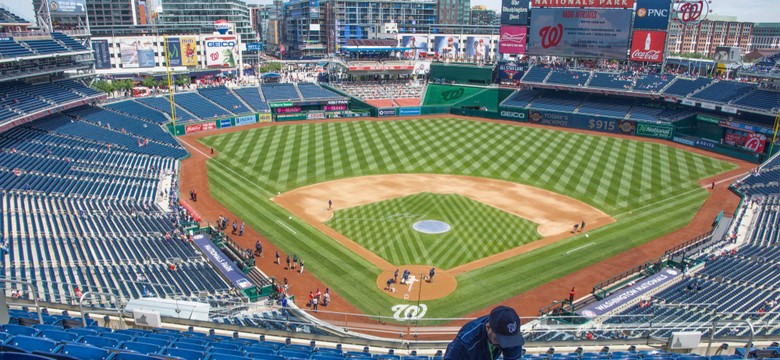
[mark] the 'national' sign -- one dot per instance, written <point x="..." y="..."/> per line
<point x="648" y="46"/>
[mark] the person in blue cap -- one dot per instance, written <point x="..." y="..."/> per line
<point x="487" y="337"/>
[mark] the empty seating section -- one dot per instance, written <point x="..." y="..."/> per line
<point x="51" y="92"/>
<point x="18" y="99"/>
<point x="199" y="106"/>
<point x="130" y="107"/>
<point x="279" y="92"/>
<point x="652" y="82"/>
<point x="315" y="92"/>
<point x="620" y="81"/>
<point x="162" y="104"/>
<point x="8" y="17"/>
<point x="536" y="74"/>
<point x="222" y="96"/>
<point x="761" y="100"/>
<point x="21" y="102"/>
<point x="724" y="91"/>
<point x="641" y="112"/>
<point x="606" y="106"/>
<point x="68" y="41"/>
<point x="78" y="87"/>
<point x="521" y="98"/>
<point x="558" y="101"/>
<point x="568" y="77"/>
<point x="684" y="87"/>
<point x="383" y="90"/>
<point x="765" y="182"/>
<point x="124" y="124"/>
<point x="251" y="96"/>
<point x="46" y="46"/>
<point x="11" y="49"/>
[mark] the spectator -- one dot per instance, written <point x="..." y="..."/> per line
<point x="488" y="337"/>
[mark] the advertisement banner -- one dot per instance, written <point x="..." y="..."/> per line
<point x="514" y="12"/>
<point x="222" y="262"/>
<point x="102" y="56"/>
<point x="446" y="47"/>
<point x="225" y="123"/>
<point x="597" y="33"/>
<point x="67" y="7"/>
<point x="265" y="117"/>
<point x="287" y="117"/>
<point x="128" y="52"/>
<point x="510" y="70"/>
<point x="245" y="120"/>
<point x="280" y="104"/>
<point x="625" y="4"/>
<point x="648" y="46"/>
<point x="514" y="114"/>
<point x="146" y="53"/>
<point x="582" y="121"/>
<point x="315" y="115"/>
<point x="746" y="127"/>
<point x="386" y="112"/>
<point x="417" y="45"/>
<point x="655" y="131"/>
<point x="254" y="46"/>
<point x="747" y="140"/>
<point x="629" y="294"/>
<point x="512" y="40"/>
<point x="188" y="51"/>
<point x="173" y="47"/>
<point x="409" y="111"/>
<point x="288" y="110"/>
<point x="477" y="47"/>
<point x="652" y="14"/>
<point x="193" y="128"/>
<point x="334" y="107"/>
<point x="221" y="51"/>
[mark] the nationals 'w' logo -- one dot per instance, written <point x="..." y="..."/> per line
<point x="551" y="36"/>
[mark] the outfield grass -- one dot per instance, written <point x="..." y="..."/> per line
<point x="649" y="188"/>
<point x="478" y="230"/>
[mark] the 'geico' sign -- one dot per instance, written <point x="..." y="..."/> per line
<point x="513" y="114"/>
<point x="221" y="44"/>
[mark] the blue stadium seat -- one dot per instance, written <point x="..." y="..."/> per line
<point x="185" y="354"/>
<point x="101" y="342"/>
<point x="58" y="335"/>
<point x="140" y="347"/>
<point x="30" y="343"/>
<point x="85" y="352"/>
<point x="14" y="329"/>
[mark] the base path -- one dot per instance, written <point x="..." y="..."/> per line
<point x="418" y="288"/>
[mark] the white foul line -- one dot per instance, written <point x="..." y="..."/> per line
<point x="580" y="248"/>
<point x="285" y="226"/>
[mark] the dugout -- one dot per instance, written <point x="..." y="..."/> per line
<point x="461" y="73"/>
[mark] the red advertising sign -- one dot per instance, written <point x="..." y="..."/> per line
<point x="606" y="4"/>
<point x="648" y="46"/>
<point x="512" y="40"/>
<point x="199" y="127"/>
<point x="755" y="142"/>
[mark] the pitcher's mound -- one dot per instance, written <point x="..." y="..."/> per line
<point x="442" y="285"/>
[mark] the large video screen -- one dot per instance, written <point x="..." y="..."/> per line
<point x="599" y="33"/>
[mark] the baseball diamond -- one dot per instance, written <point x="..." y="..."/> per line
<point x="649" y="188"/>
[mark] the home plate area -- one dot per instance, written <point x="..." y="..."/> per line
<point x="417" y="287"/>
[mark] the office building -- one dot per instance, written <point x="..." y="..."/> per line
<point x="481" y="15"/>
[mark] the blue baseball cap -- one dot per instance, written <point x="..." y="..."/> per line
<point x="505" y="325"/>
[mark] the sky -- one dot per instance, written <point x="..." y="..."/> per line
<point x="744" y="10"/>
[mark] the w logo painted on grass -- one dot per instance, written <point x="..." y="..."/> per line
<point x="409" y="312"/>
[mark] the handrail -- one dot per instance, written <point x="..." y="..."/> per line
<point x="119" y="308"/>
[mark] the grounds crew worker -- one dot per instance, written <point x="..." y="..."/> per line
<point x="488" y="337"/>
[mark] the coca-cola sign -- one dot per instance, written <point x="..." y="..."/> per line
<point x="648" y="46"/>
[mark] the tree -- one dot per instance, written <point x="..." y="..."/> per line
<point x="182" y="80"/>
<point x="272" y="66"/>
<point x="104" y="86"/>
<point x="149" y="82"/>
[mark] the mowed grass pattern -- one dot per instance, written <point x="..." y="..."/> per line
<point x="614" y="175"/>
<point x="478" y="230"/>
<point x="649" y="188"/>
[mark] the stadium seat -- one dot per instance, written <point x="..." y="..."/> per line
<point x="29" y="343"/>
<point x="185" y="354"/>
<point x="85" y="352"/>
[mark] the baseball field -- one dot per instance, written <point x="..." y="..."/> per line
<point x="645" y="189"/>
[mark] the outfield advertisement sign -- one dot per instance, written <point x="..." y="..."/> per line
<point x="334" y="107"/>
<point x="386" y="112"/>
<point x="630" y="294"/>
<point x="280" y="104"/>
<point x="315" y="115"/>
<point x="194" y="128"/>
<point x="225" y="123"/>
<point x="265" y="117"/>
<point x="745" y="127"/>
<point x="174" y="51"/>
<point x="510" y="71"/>
<point x="221" y="262"/>
<point x="245" y="120"/>
<point x="655" y="131"/>
<point x="512" y="40"/>
<point x="221" y="51"/>
<point x="583" y="121"/>
<point x="409" y="111"/>
<point x="288" y="117"/>
<point x="514" y="114"/>
<point x="648" y="46"/>
<point x="600" y="33"/>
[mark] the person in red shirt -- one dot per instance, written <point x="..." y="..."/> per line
<point x="571" y="295"/>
